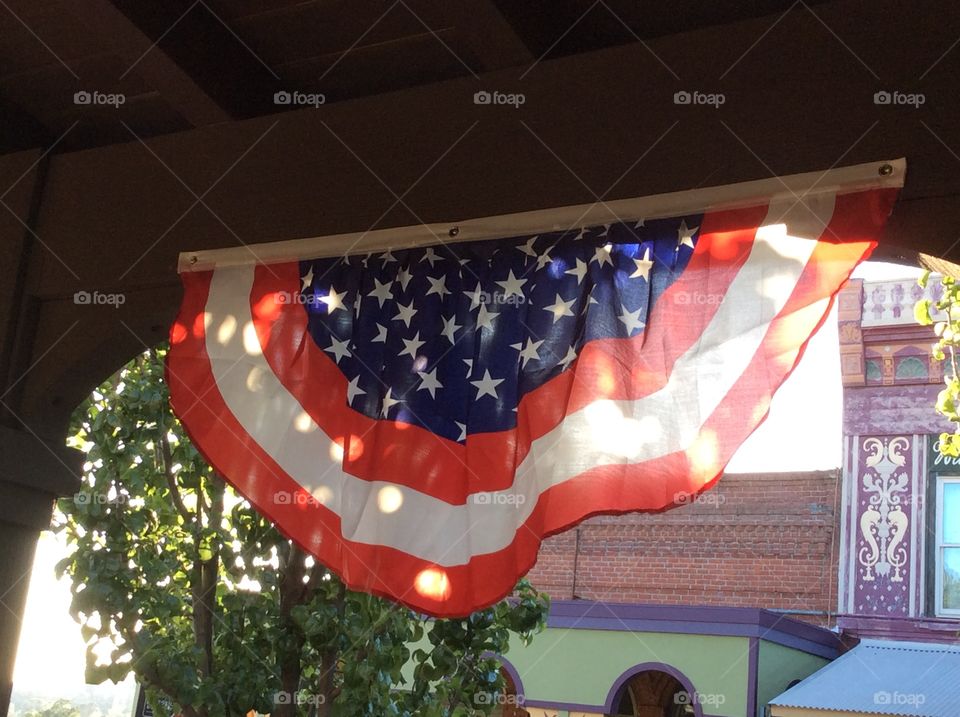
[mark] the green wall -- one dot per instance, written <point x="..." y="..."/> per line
<point x="580" y="666"/>
<point x="778" y="666"/>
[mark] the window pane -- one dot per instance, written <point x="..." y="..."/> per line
<point x="911" y="368"/>
<point x="951" y="578"/>
<point x="951" y="513"/>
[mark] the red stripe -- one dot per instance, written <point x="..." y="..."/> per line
<point x="413" y="456"/>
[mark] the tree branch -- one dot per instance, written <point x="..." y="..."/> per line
<point x="171" y="478"/>
<point x="326" y="684"/>
<point x="291" y="594"/>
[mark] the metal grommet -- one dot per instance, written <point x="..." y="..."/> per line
<point x="454" y="231"/>
<point x="886" y="170"/>
<point x="193" y="259"/>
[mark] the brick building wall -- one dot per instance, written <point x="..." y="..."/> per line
<point x="755" y="540"/>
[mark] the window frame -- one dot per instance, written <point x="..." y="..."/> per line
<point x="939" y="545"/>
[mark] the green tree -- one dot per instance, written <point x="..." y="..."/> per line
<point x="947" y="330"/>
<point x="178" y="579"/>
<point x="60" y="708"/>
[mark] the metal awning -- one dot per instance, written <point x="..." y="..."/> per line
<point x="880" y="677"/>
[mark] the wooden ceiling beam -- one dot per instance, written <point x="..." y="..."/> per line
<point x="482" y="30"/>
<point x="193" y="56"/>
<point x="174" y="84"/>
<point x="114" y="30"/>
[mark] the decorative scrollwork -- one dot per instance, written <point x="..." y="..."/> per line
<point x="883" y="525"/>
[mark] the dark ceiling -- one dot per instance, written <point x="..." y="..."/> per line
<point x="188" y="63"/>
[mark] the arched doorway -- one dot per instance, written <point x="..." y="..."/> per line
<point x="510" y="702"/>
<point x="652" y="692"/>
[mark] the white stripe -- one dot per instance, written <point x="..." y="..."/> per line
<point x="602" y="433"/>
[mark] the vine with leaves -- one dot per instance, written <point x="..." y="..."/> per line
<point x="946" y="326"/>
<point x="177" y="579"/>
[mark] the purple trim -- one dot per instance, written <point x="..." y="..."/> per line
<point x="577" y="707"/>
<point x="609" y="706"/>
<point x="912" y="350"/>
<point x="569" y="706"/>
<point x="902" y="332"/>
<point x="804" y="646"/>
<point x="752" y="677"/>
<point x="509" y="669"/>
<point x="922" y="629"/>
<point x="695" y="620"/>
<point x="514" y="675"/>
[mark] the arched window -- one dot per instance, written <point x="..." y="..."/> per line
<point x="911" y="368"/>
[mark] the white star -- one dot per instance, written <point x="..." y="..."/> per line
<point x="569" y="358"/>
<point x="429" y="382"/>
<point x="333" y="300"/>
<point x="388" y="403"/>
<point x="528" y="247"/>
<point x="463" y="430"/>
<point x="475" y="296"/>
<point x="487" y="386"/>
<point x="381" y="337"/>
<point x="643" y="266"/>
<point x="356" y="307"/>
<point x="528" y="352"/>
<point x="485" y="318"/>
<point x="411" y="346"/>
<point x="307" y="279"/>
<point x="403" y="277"/>
<point x="338" y="349"/>
<point x="631" y="319"/>
<point x="685" y="235"/>
<point x="469" y="363"/>
<point x="354" y="390"/>
<point x="450" y="327"/>
<point x="579" y="271"/>
<point x="560" y="308"/>
<point x="512" y="285"/>
<point x="438" y="286"/>
<point x="387" y="257"/>
<point x="382" y="292"/>
<point x="640" y="222"/>
<point x="544" y="259"/>
<point x="405" y="313"/>
<point x="430" y="256"/>
<point x="602" y="255"/>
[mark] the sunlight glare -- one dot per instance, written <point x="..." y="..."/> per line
<point x="389" y="499"/>
<point x="251" y="342"/>
<point x="433" y="583"/>
<point x="304" y="423"/>
<point x="228" y="327"/>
